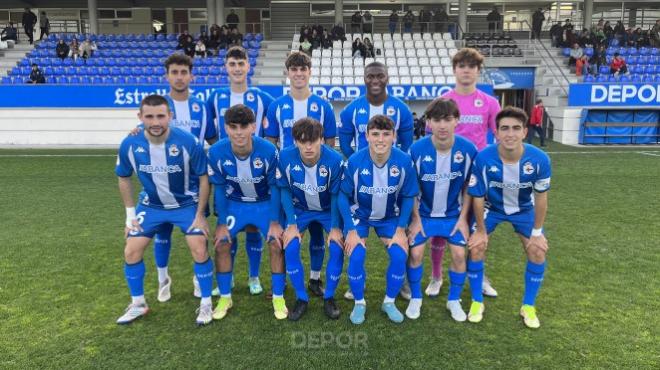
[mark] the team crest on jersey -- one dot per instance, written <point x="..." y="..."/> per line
<point x="458" y="157"/>
<point x="427" y="159"/>
<point x="174" y="151"/>
<point x="365" y="172"/>
<point x="257" y="163"/>
<point x="323" y="172"/>
<point x="249" y="97"/>
<point x="473" y="180"/>
<point x="139" y="150"/>
<point x="228" y="163"/>
<point x="493" y="169"/>
<point x="296" y="168"/>
<point x="394" y="171"/>
<point x="314" y="107"/>
<point x="362" y="111"/>
<point x="195" y="107"/>
<point x="390" y="111"/>
<point x="528" y="168"/>
<point x="478" y="103"/>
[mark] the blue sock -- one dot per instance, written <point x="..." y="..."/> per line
<point x="134" y="274"/>
<point x="204" y="273"/>
<point x="162" y="247"/>
<point x="224" y="282"/>
<point x="533" y="280"/>
<point x="396" y="270"/>
<point x="356" y="272"/>
<point x="415" y="280"/>
<point x="456" y="282"/>
<point x="279" y="279"/>
<point x="333" y="270"/>
<point x="475" y="273"/>
<point x="316" y="247"/>
<point x="253" y="247"/>
<point x="295" y="269"/>
<point x="234" y="249"/>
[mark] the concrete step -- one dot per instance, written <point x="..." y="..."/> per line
<point x="273" y="63"/>
<point x="268" y="81"/>
<point x="277" y="54"/>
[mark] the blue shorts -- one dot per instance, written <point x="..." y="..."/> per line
<point x="442" y="227"/>
<point x="305" y="218"/>
<point x="153" y="220"/>
<point x="242" y="214"/>
<point x="522" y="222"/>
<point x="384" y="228"/>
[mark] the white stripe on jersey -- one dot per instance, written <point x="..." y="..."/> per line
<point x="181" y="110"/>
<point x="378" y="204"/>
<point x="235" y="98"/>
<point x="244" y="171"/>
<point x="313" y="201"/>
<point x="510" y="175"/>
<point x="259" y="114"/>
<point x="278" y="116"/>
<point x="299" y="109"/>
<point x="158" y="156"/>
<point x="131" y="158"/>
<point x="186" y="172"/>
<point x="441" y="187"/>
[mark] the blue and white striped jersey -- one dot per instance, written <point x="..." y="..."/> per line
<point x="355" y="116"/>
<point x="311" y="187"/>
<point x="191" y="116"/>
<point x="376" y="192"/>
<point x="508" y="187"/>
<point x="442" y="177"/>
<point x="285" y="111"/>
<point x="168" y="172"/>
<point x="246" y="179"/>
<point x="223" y="98"/>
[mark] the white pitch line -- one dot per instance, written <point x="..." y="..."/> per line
<point x="654" y="154"/>
<point x="57" y="155"/>
<point x="602" y="152"/>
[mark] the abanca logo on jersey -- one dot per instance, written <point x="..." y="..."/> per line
<point x="149" y="168"/>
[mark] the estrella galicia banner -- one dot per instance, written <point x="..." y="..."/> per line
<point x="614" y="95"/>
<point x="128" y="96"/>
<point x="515" y="78"/>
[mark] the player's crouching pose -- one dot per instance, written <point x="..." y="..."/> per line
<point x="309" y="175"/>
<point x="381" y="184"/>
<point x="166" y="160"/>
<point x="443" y="162"/>
<point x="509" y="182"/>
<point x="243" y="168"/>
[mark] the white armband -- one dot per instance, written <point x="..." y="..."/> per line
<point x="130" y="216"/>
<point x="537" y="232"/>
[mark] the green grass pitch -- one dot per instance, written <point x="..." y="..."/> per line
<point x="62" y="286"/>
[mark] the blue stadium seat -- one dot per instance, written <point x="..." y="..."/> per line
<point x="636" y="78"/>
<point x="58" y="70"/>
<point x="650" y="68"/>
<point x="224" y="80"/>
<point x="603" y="78"/>
<point x="222" y="53"/>
<point x="61" y="80"/>
<point x="655" y="51"/>
<point x="632" y="51"/>
<point x="588" y="78"/>
<point x="614" y="42"/>
<point x="132" y="80"/>
<point x="217" y="61"/>
<point x="253" y="62"/>
<point x="251" y="72"/>
<point x="625" y="78"/>
<point x="120" y="37"/>
<point x="213" y="80"/>
<point x="613" y="78"/>
<point x="171" y="37"/>
<point x="257" y="45"/>
<point x="248" y="36"/>
<point x="48" y="71"/>
<point x="125" y="71"/>
<point x="160" y="37"/>
<point x="631" y="60"/>
<point x="202" y="71"/>
<point x="214" y="71"/>
<point x="253" y="53"/>
<point x="642" y="59"/>
<point x="611" y="50"/>
<point x="6" y="80"/>
<point x="604" y="70"/>
<point x="259" y="37"/>
<point x="120" y="80"/>
<point x="96" y="80"/>
<point x="85" y="80"/>
<point x="108" y="80"/>
<point x="623" y="51"/>
<point x="142" y="80"/>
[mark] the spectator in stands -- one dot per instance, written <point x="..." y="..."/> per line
<point x="600" y="24"/>
<point x="306" y="46"/>
<point x="424" y="20"/>
<point x="187" y="46"/>
<point x="28" y="21"/>
<point x="569" y="38"/>
<point x="536" y="123"/>
<point x="586" y="38"/>
<point x="326" y="40"/>
<point x="9" y="33"/>
<point x="576" y="53"/>
<point x="62" y="49"/>
<point x="36" y="75"/>
<point x="367" y="22"/>
<point x="305" y="33"/>
<point x="369" y="51"/>
<point x="556" y="33"/>
<point x="494" y="19"/>
<point x="200" y="49"/>
<point x="655" y="34"/>
<point x="408" y="21"/>
<point x="568" y="25"/>
<point x="215" y="28"/>
<point x="582" y="65"/>
<point x="44" y="26"/>
<point x="315" y="40"/>
<point x="635" y="38"/>
<point x="338" y="33"/>
<point x="356" y="22"/>
<point x="618" y="65"/>
<point x="235" y="38"/>
<point x="599" y="36"/>
<point x="213" y="43"/>
<point x="232" y="20"/>
<point x="609" y="31"/>
<point x="441" y="19"/>
<point x="418" y="126"/>
<point x="619" y="31"/>
<point x="74" y="49"/>
<point x="391" y="24"/>
<point x="87" y="48"/>
<point x="225" y="39"/>
<point x="537" y="23"/>
<point x="358" y="48"/>
<point x="183" y="37"/>
<point x="598" y="59"/>
<point x="204" y="37"/>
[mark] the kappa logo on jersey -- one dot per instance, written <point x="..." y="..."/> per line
<point x="458" y="157"/>
<point x="390" y="111"/>
<point x="296" y="168"/>
<point x="362" y="111"/>
<point x="139" y="150"/>
<point x="314" y="107"/>
<point x="394" y="171"/>
<point x="286" y="106"/>
<point x="195" y="107"/>
<point x="223" y="96"/>
<point x="249" y="97"/>
<point x="365" y="172"/>
<point x="228" y="163"/>
<point x="258" y="163"/>
<point x="478" y="103"/>
<point x="323" y="172"/>
<point x="427" y="159"/>
<point x="528" y="169"/>
<point x="174" y="151"/>
<point x="493" y="169"/>
<point x="473" y="180"/>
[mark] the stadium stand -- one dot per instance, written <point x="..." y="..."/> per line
<point x="114" y="63"/>
<point x="493" y="44"/>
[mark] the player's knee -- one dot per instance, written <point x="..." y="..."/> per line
<point x="536" y="255"/>
<point x="275" y="248"/>
<point x="458" y="259"/>
<point x="477" y="254"/>
<point x="416" y="256"/>
<point x="132" y="254"/>
<point x="223" y="250"/>
<point x="199" y="253"/>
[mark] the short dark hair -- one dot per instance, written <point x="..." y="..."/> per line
<point x="307" y="129"/>
<point x="236" y="52"/>
<point x="468" y="56"/>
<point x="380" y="122"/>
<point x="178" y="59"/>
<point x="239" y="114"/>
<point x="511" y="112"/>
<point x="298" y="59"/>
<point x="441" y="108"/>
<point x="154" y="101"/>
<point x="375" y="65"/>
<point x="539" y="101"/>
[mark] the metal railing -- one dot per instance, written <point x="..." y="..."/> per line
<point x="557" y="66"/>
<point x="417" y="27"/>
<point x="125" y="27"/>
